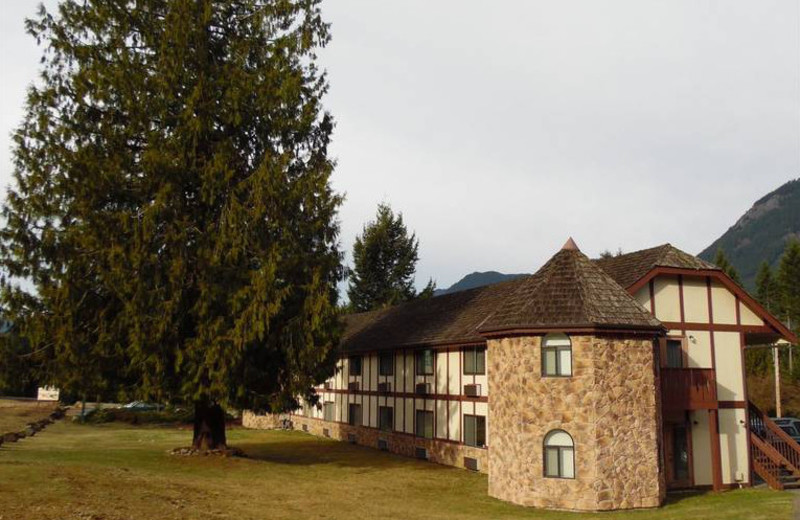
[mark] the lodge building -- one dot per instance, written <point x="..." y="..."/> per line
<point x="589" y="385"/>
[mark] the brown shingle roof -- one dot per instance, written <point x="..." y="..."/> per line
<point x="450" y="318"/>
<point x="627" y="269"/>
<point x="569" y="291"/>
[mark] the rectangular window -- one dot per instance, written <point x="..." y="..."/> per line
<point x="424" y="362"/>
<point x="355" y="366"/>
<point x="354" y="414"/>
<point x="556" y="356"/>
<point x="328" y="411"/>
<point x="386" y="367"/>
<point x="475" y="361"/>
<point x="475" y="430"/>
<point x="424" y="426"/>
<point x="674" y="353"/>
<point x="386" y="418"/>
<point x="559" y="462"/>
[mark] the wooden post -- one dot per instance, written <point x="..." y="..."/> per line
<point x="716" y="456"/>
<point x="777" y="360"/>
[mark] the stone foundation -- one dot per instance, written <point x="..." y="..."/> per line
<point x="438" y="451"/>
<point x="610" y="408"/>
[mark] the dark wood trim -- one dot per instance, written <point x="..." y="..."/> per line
<point x="716" y="455"/>
<point x="652" y="287"/>
<point x="719" y="327"/>
<point x="742" y="405"/>
<point x="725" y="280"/>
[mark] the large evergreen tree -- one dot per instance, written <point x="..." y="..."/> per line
<point x="384" y="263"/>
<point x="789" y="279"/>
<point x="172" y="207"/>
<point x="721" y="261"/>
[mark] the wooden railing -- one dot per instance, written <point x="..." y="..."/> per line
<point x="688" y="388"/>
<point x="762" y="427"/>
<point x="766" y="464"/>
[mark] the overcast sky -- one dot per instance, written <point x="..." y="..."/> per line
<point x="499" y="129"/>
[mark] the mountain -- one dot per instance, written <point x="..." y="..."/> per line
<point x="477" y="280"/>
<point x="761" y="233"/>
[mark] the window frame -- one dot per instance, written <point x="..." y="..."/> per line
<point x="381" y="357"/>
<point x="350" y="414"/>
<point x="382" y="427"/>
<point x="478" y="419"/>
<point x="472" y="353"/>
<point x="559" y="449"/>
<point x="557" y="349"/>
<point x="427" y="414"/>
<point x="329" y="405"/>
<point x="350" y="360"/>
<point x="419" y="364"/>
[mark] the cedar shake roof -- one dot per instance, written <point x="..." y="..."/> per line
<point x="627" y="269"/>
<point x="569" y="291"/>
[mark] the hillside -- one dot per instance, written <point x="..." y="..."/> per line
<point x="761" y="233"/>
<point x="477" y="280"/>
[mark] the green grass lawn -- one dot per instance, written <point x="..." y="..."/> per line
<point x="111" y="471"/>
<point x="14" y="415"/>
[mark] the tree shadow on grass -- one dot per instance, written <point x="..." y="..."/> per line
<point x="298" y="449"/>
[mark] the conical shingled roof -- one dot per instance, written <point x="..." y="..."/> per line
<point x="569" y="291"/>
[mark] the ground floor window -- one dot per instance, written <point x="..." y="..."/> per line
<point x="386" y="418"/>
<point x="328" y="411"/>
<point x="354" y="414"/>
<point x="424" y="426"/>
<point x="475" y="430"/>
<point x="559" y="455"/>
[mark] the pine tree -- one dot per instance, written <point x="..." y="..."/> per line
<point x="172" y="206"/>
<point x="789" y="279"/>
<point x="721" y="261"/>
<point x="768" y="291"/>
<point x="384" y="263"/>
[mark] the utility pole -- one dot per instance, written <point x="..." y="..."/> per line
<point x="777" y="359"/>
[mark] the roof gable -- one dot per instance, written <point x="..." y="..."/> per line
<point x="629" y="268"/>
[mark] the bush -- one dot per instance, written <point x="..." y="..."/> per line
<point x="167" y="416"/>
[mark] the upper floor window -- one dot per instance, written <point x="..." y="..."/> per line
<point x="556" y="355"/>
<point x="559" y="455"/>
<point x="424" y="362"/>
<point x="475" y="361"/>
<point x="386" y="364"/>
<point x="355" y="366"/>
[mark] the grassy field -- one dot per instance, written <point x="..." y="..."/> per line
<point x="114" y="471"/>
<point x="14" y="415"/>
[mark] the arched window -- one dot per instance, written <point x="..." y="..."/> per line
<point x="559" y="455"/>
<point x="556" y="355"/>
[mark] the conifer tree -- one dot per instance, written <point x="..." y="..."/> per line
<point x="789" y="279"/>
<point x="721" y="261"/>
<point x="384" y="263"/>
<point x="768" y="291"/>
<point x="172" y="207"/>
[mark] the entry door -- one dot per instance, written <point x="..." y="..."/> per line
<point x="678" y="450"/>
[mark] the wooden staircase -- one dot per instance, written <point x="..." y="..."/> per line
<point x="776" y="456"/>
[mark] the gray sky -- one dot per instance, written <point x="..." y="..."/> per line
<point x="499" y="129"/>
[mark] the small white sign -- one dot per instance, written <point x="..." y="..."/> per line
<point x="47" y="393"/>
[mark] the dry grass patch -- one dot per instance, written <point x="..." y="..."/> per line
<point x="116" y="472"/>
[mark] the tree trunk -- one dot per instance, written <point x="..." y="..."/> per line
<point x="209" y="426"/>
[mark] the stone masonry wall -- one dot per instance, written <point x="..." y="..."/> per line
<point x="608" y="406"/>
<point x="440" y="452"/>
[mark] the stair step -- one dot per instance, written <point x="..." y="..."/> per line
<point x="792" y="485"/>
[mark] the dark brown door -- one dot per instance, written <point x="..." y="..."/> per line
<point x="678" y="451"/>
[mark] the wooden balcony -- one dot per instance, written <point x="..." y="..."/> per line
<point x="688" y="389"/>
